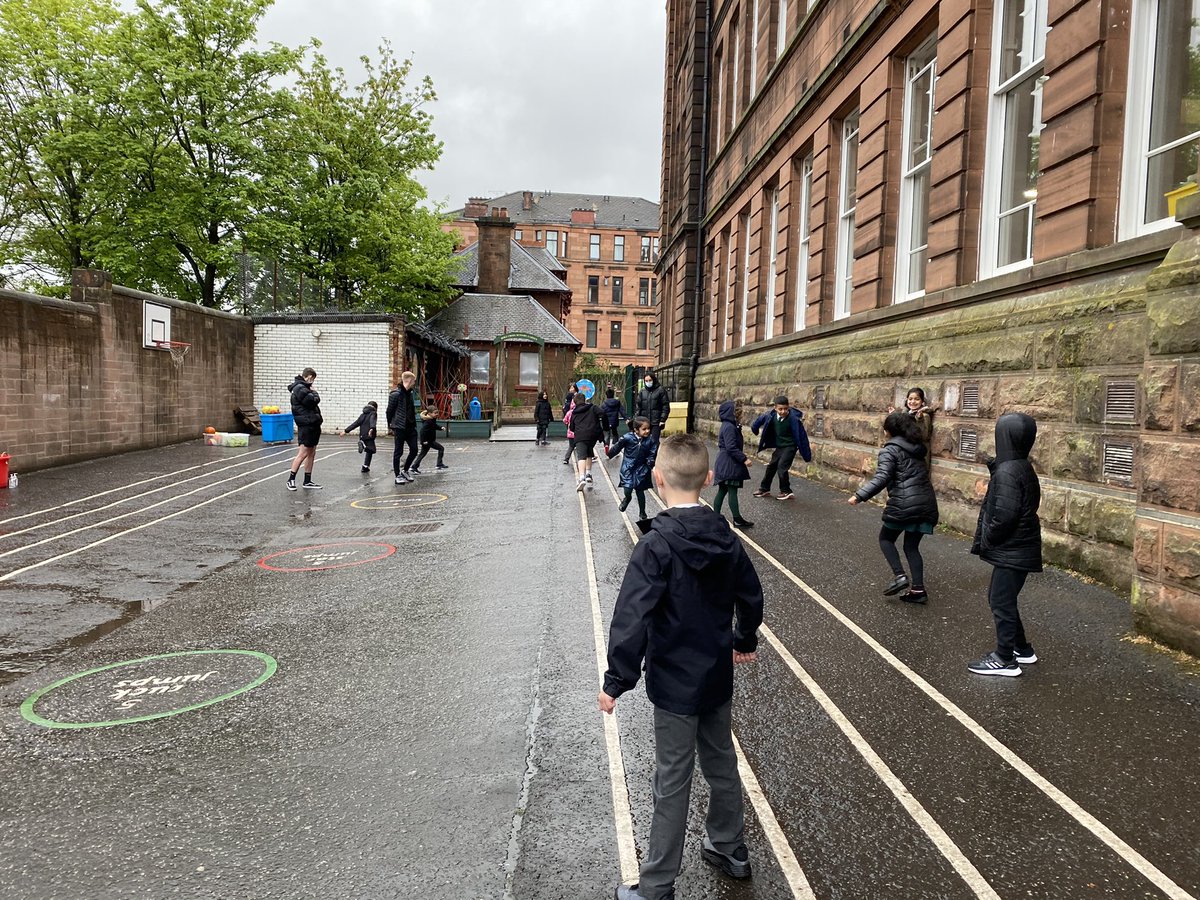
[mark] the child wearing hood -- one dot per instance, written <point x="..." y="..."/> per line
<point x="543" y="415"/>
<point x="639" y="449"/>
<point x="428" y="436"/>
<point x="690" y="606"/>
<point x="911" y="508"/>
<point x="733" y="466"/>
<point x="366" y="423"/>
<point x="1009" y="536"/>
<point x="612" y="411"/>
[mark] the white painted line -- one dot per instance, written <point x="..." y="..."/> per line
<point x="96" y="509"/>
<point x="1073" y="809"/>
<point x="113" y="537"/>
<point x="126" y="487"/>
<point x="784" y="855"/>
<point x="622" y="817"/>
<point x="134" y="512"/>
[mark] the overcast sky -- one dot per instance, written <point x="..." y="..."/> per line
<point x="562" y="95"/>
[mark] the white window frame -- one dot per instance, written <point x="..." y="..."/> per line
<point x="552" y="243"/>
<point x="843" y="287"/>
<point x="922" y="61"/>
<point x="772" y="267"/>
<point x="486" y="369"/>
<point x="745" y="233"/>
<point x="1034" y="36"/>
<point x="735" y="76"/>
<point x="536" y="368"/>
<point x="781" y="29"/>
<point x="591" y="332"/>
<point x="618" y="248"/>
<point x="593" y="246"/>
<point x="1143" y="50"/>
<point x="753" y="48"/>
<point x="718" y="85"/>
<point x="730" y="281"/>
<point x="803" y="234"/>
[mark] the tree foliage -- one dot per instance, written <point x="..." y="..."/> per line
<point x="164" y="143"/>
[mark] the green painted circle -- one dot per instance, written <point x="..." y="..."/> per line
<point x="28" y="711"/>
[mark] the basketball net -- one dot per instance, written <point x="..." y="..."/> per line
<point x="178" y="351"/>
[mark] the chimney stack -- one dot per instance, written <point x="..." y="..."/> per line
<point x="475" y="207"/>
<point x="495" y="251"/>
<point x="583" y="217"/>
<point x="527" y="200"/>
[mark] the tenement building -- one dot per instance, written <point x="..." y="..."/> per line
<point x="989" y="200"/>
<point x="607" y="247"/>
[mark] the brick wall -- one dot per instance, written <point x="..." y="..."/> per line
<point x="76" y="382"/>
<point x="353" y="356"/>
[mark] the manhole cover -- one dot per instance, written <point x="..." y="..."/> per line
<point x="414" y="528"/>
<point x="152" y="687"/>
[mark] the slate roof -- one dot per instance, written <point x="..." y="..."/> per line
<point x="435" y="338"/>
<point x="551" y="208"/>
<point x="546" y="258"/>
<point x="527" y="270"/>
<point x="488" y="315"/>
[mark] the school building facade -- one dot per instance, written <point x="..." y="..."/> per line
<point x="990" y="200"/>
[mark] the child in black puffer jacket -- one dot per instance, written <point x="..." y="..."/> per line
<point x="366" y="423"/>
<point x="911" y="506"/>
<point x="429" y="441"/>
<point x="543" y="415"/>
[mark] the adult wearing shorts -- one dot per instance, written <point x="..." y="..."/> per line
<point x="306" y="412"/>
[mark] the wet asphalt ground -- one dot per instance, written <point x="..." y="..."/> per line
<point x="405" y="701"/>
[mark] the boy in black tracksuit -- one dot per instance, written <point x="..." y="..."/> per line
<point x="690" y="605"/>
<point x="402" y="419"/>
<point x="429" y="441"/>
<point x="1009" y="536"/>
<point x="366" y="421"/>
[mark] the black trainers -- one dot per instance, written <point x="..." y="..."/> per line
<point x="992" y="664"/>
<point x="291" y="484"/>
<point x="899" y="583"/>
<point x="441" y="467"/>
<point x="313" y="486"/>
<point x="1025" y="657"/>
<point x="415" y="470"/>
<point x="365" y="469"/>
<point x="624" y="504"/>
<point x="742" y="523"/>
<point x="915" y="597"/>
<point x="735" y="865"/>
<point x="362" y="448"/>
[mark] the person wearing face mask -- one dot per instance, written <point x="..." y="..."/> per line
<point x="652" y="403"/>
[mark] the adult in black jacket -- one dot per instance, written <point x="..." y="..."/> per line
<point x="402" y="419"/>
<point x="366" y="422"/>
<point x="543" y="415"/>
<point x="652" y="403"/>
<point x="306" y="413"/>
<point x="1009" y="536"/>
<point x="585" y="423"/>
<point x="911" y="505"/>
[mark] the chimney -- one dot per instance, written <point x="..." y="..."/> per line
<point x="475" y="207"/>
<point x="527" y="200"/>
<point x="495" y="251"/>
<point x="583" y="217"/>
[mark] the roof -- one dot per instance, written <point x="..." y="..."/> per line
<point x="548" y="208"/>
<point x="527" y="270"/>
<point x="546" y="258"/>
<point x="483" y="317"/>
<point x="435" y="338"/>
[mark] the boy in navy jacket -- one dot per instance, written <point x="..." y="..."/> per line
<point x="781" y="429"/>
<point x="690" y="605"/>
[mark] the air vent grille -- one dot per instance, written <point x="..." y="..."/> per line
<point x="819" y="398"/>
<point x="1120" y="402"/>
<point x="968" y="444"/>
<point x="818" y="424"/>
<point x="1118" y="462"/>
<point x="970" y="400"/>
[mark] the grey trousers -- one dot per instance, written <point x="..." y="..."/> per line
<point x="678" y="740"/>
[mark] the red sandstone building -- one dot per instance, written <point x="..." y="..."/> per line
<point x="607" y="247"/>
<point x="975" y="197"/>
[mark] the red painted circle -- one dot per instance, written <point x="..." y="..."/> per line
<point x="387" y="550"/>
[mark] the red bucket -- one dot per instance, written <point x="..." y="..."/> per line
<point x="4" y="458"/>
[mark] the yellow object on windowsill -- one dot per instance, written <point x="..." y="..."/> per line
<point x="1184" y="190"/>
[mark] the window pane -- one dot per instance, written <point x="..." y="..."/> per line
<point x="921" y="99"/>
<point x="614" y="336"/>
<point x="918" y="231"/>
<point x="552" y="242"/>
<point x="480" y="366"/>
<point x="619" y="248"/>
<point x="645" y="249"/>
<point x="1023" y="36"/>
<point x="618" y="286"/>
<point x="531" y="372"/>
<point x="1019" y="173"/>
<point x="591" y="332"/>
<point x="1167" y="171"/>
<point x="1175" y="109"/>
<point x="1016" y="233"/>
<point x="594" y="246"/>
<point x="644" y="292"/>
<point x="593" y="289"/>
<point x="643" y="335"/>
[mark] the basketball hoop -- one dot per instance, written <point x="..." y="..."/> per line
<point x="179" y="349"/>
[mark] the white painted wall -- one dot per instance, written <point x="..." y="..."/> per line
<point x="352" y="360"/>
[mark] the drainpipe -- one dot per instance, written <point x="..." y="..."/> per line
<point x="700" y="217"/>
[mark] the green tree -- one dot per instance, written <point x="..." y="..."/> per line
<point x="58" y="98"/>
<point x="357" y="220"/>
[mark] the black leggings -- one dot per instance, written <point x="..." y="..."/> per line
<point x="426" y="446"/>
<point x="912" y="552"/>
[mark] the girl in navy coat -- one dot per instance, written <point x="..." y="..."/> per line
<point x="733" y="466"/>
<point x="640" y="450"/>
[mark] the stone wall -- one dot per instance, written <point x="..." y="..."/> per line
<point x="76" y="382"/>
<point x="1110" y="368"/>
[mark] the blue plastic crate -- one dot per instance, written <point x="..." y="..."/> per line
<point x="277" y="427"/>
